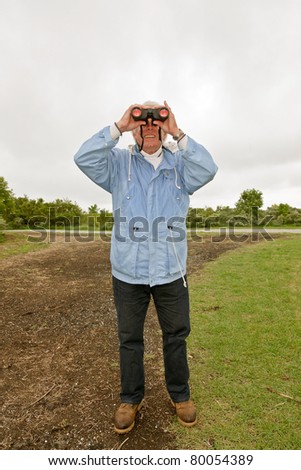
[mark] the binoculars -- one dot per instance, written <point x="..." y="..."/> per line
<point x="156" y="114"/>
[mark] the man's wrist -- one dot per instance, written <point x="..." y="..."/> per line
<point x="120" y="127"/>
<point x="178" y="135"/>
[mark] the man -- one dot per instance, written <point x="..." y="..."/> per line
<point x="150" y="185"/>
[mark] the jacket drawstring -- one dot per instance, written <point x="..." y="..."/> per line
<point x="177" y="257"/>
<point x="176" y="180"/>
<point x="130" y="163"/>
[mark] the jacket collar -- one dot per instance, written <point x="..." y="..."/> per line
<point x="169" y="160"/>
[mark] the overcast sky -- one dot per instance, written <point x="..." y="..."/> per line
<point x="229" y="69"/>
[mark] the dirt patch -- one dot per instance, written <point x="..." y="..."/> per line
<point x="60" y="351"/>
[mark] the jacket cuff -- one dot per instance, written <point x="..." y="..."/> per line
<point x="115" y="134"/>
<point x="182" y="145"/>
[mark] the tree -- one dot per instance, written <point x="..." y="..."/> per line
<point x="26" y="209"/>
<point x="93" y="209"/>
<point x="225" y="214"/>
<point x="248" y="199"/>
<point x="64" y="212"/>
<point x="7" y="200"/>
<point x="284" y="214"/>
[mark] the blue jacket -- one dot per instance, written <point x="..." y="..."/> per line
<point x="149" y="244"/>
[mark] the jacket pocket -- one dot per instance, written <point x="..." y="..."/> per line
<point x="124" y="250"/>
<point x="177" y="249"/>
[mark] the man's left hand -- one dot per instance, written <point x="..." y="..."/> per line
<point x="170" y="125"/>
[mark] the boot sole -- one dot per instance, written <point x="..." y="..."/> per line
<point x="186" y="424"/>
<point x="130" y="427"/>
<point x="126" y="430"/>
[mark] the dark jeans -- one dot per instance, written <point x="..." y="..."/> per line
<point x="172" y="305"/>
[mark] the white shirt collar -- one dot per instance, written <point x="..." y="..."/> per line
<point x="152" y="155"/>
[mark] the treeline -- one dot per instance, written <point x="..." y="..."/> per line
<point x="23" y="212"/>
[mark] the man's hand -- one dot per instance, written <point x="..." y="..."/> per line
<point x="127" y="123"/>
<point x="170" y="125"/>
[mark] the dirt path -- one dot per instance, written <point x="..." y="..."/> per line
<point x="60" y="352"/>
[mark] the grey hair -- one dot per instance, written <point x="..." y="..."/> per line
<point x="152" y="104"/>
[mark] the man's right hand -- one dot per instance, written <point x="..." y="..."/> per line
<point x="127" y="122"/>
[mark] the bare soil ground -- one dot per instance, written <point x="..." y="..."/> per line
<point x="60" y="351"/>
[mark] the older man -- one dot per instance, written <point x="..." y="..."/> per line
<point x="150" y="185"/>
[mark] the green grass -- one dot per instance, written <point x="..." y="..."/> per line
<point x="16" y="243"/>
<point x="245" y="342"/>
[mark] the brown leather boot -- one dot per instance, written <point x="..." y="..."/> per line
<point x="186" y="413"/>
<point x="124" y="418"/>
